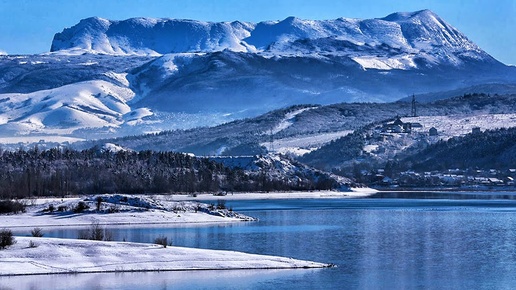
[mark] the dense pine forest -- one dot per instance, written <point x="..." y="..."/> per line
<point x="492" y="149"/>
<point x="60" y="172"/>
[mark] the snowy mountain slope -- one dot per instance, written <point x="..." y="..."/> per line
<point x="185" y="73"/>
<point x="31" y="73"/>
<point x="149" y="36"/>
<point x="65" y="109"/>
<point x="228" y="82"/>
<point x="302" y="129"/>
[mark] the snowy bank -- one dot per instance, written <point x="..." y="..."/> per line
<point x="118" y="210"/>
<point x="354" y="193"/>
<point x="65" y="256"/>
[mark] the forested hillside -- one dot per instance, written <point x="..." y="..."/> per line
<point x="492" y="149"/>
<point x="243" y="137"/>
<point x="63" y="172"/>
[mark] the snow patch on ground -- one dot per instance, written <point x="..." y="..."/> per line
<point x="288" y="120"/>
<point x="403" y="62"/>
<point x="303" y="144"/>
<point x="65" y="256"/>
<point x="457" y="125"/>
<point x="119" y="77"/>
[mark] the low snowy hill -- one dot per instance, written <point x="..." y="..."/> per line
<point x="299" y="130"/>
<point x="92" y="104"/>
<point x="273" y="167"/>
<point x="380" y="142"/>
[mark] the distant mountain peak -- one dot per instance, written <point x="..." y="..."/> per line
<point x="412" y="32"/>
<point x="403" y="16"/>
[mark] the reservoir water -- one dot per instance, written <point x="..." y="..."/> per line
<point x="399" y="241"/>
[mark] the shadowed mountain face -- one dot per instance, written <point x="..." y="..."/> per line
<point x="146" y="75"/>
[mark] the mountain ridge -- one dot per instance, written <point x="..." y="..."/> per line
<point x="224" y="71"/>
<point x="411" y="33"/>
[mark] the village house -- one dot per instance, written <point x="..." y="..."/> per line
<point x="398" y="126"/>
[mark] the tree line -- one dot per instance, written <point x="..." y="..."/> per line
<point x="492" y="149"/>
<point x="61" y="172"/>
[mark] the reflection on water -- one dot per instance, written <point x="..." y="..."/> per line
<point x="491" y="195"/>
<point x="240" y="279"/>
<point x="389" y="243"/>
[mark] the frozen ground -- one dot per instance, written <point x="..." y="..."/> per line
<point x="117" y="210"/>
<point x="66" y="256"/>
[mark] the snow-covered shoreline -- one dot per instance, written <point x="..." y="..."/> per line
<point x="354" y="193"/>
<point x="117" y="210"/>
<point x="67" y="256"/>
<point x="41" y="256"/>
<point x="168" y="209"/>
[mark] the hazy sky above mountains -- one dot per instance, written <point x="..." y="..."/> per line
<point x="28" y="26"/>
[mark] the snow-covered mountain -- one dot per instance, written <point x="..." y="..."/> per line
<point x="105" y="77"/>
<point x="151" y="36"/>
<point x="398" y="41"/>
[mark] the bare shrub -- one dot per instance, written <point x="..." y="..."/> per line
<point x="83" y="235"/>
<point x="108" y="235"/>
<point x="6" y="238"/>
<point x="221" y="204"/>
<point x="50" y="208"/>
<point x="98" y="202"/>
<point x="113" y="209"/>
<point x="37" y="232"/>
<point x="96" y="232"/>
<point x="81" y="206"/>
<point x="32" y="244"/>
<point x="162" y="240"/>
<point x="9" y="206"/>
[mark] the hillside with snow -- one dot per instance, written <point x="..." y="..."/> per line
<point x="299" y="130"/>
<point x="106" y="78"/>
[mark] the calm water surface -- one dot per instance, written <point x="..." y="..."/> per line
<point x="467" y="241"/>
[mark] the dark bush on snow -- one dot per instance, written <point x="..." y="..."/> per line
<point x="6" y="239"/>
<point x="9" y="206"/>
<point x="81" y="206"/>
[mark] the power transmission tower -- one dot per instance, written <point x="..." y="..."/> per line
<point x="414" y="109"/>
<point x="271" y="146"/>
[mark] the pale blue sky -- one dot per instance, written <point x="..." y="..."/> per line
<point x="28" y="26"/>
